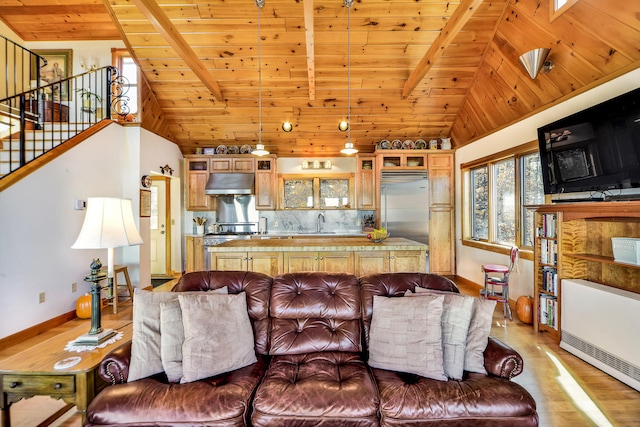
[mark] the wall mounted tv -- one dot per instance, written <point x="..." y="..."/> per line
<point x="595" y="150"/>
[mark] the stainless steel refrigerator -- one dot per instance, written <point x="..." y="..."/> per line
<point x="405" y="205"/>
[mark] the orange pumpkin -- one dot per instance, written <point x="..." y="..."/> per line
<point x="83" y="306"/>
<point x="524" y="309"/>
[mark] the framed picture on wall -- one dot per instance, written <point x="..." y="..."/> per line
<point x="59" y="66"/>
<point x="145" y="203"/>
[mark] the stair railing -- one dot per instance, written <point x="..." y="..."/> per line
<point x="22" y="68"/>
<point x="38" y="120"/>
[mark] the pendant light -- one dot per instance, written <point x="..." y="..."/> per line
<point x="348" y="146"/>
<point x="259" y="151"/>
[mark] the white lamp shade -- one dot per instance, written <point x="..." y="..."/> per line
<point x="108" y="223"/>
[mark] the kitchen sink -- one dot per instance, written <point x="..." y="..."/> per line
<point x="308" y="233"/>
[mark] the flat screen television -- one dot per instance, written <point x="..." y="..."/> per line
<point x="594" y="150"/>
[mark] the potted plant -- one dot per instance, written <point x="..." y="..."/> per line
<point x="89" y="100"/>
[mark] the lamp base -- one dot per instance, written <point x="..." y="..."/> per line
<point x="94" y="339"/>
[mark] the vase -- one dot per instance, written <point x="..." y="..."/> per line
<point x="445" y="144"/>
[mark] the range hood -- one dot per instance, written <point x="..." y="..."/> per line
<point x="230" y="183"/>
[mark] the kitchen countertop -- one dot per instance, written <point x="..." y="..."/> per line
<point x="330" y="243"/>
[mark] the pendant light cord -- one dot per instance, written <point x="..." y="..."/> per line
<point x="349" y="72"/>
<point x="259" y="80"/>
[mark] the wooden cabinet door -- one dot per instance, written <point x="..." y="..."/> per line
<point x="269" y="263"/>
<point x="441" y="241"/>
<point x="335" y="262"/>
<point x="299" y="261"/>
<point x="371" y="262"/>
<point x="408" y="261"/>
<point x="194" y="254"/>
<point x="228" y="261"/>
<point x="441" y="179"/>
<point x="243" y="164"/>
<point x="221" y="165"/>
<point x="265" y="190"/>
<point x="196" y="197"/>
<point x="366" y="183"/>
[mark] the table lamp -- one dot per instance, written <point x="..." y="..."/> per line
<point x="108" y="224"/>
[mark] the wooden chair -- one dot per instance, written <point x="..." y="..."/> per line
<point x="116" y="286"/>
<point x="496" y="275"/>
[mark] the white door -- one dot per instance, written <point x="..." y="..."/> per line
<point x="160" y="233"/>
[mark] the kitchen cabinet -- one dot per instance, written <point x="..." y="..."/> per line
<point x="334" y="261"/>
<point x="243" y="163"/>
<point x="266" y="183"/>
<point x="365" y="182"/>
<point x="269" y="263"/>
<point x="329" y="191"/>
<point x="374" y="262"/>
<point x="441" y="214"/>
<point x="194" y="254"/>
<point x="196" y="180"/>
<point x="402" y="159"/>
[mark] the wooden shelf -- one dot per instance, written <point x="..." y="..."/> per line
<point x="600" y="258"/>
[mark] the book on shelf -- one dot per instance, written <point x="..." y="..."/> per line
<point x="548" y="227"/>
<point x="548" y="310"/>
<point x="550" y="280"/>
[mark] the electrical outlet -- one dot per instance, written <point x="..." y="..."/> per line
<point x="275" y="223"/>
<point x="41" y="297"/>
<point x="358" y="221"/>
<point x="74" y="287"/>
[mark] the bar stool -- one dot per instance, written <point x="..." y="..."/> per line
<point x="493" y="280"/>
<point x="116" y="286"/>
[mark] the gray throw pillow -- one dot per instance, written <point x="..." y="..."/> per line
<point x="456" y="316"/>
<point x="406" y="335"/>
<point x="172" y="334"/>
<point x="479" y="331"/>
<point x="218" y="336"/>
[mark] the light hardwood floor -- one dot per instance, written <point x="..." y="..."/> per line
<point x="568" y="391"/>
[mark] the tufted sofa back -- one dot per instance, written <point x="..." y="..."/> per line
<point x="257" y="287"/>
<point x="395" y="285"/>
<point x="315" y="312"/>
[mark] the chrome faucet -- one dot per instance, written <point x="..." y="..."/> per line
<point x="318" y="223"/>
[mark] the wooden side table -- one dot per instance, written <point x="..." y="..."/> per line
<point x="31" y="372"/>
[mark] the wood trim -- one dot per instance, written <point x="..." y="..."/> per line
<point x="163" y="25"/>
<point x="526" y="148"/>
<point x="35" y="330"/>
<point x="451" y="29"/>
<point x="310" y="43"/>
<point x="56" y="152"/>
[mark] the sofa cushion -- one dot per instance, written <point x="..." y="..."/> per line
<point x="407" y="399"/>
<point x="315" y="311"/>
<point x="322" y="389"/>
<point x="257" y="287"/>
<point x="145" y="343"/>
<point x="456" y="316"/>
<point x="220" y="401"/>
<point x="406" y="335"/>
<point x="395" y="285"/>
<point x="217" y="335"/>
<point x="172" y="335"/>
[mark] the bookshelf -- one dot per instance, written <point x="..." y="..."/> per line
<point x="573" y="241"/>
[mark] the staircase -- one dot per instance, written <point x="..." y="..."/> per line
<point x="35" y="121"/>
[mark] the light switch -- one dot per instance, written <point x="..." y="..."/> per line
<point x="79" y="205"/>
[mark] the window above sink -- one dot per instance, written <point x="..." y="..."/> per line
<point x="330" y="191"/>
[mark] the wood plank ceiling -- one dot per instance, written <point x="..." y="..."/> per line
<point x="420" y="69"/>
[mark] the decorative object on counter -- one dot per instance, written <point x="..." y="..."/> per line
<point x="234" y="149"/>
<point x="108" y="224"/>
<point x="445" y="144"/>
<point x="166" y="169"/>
<point x="396" y="144"/>
<point x="199" y="220"/>
<point x="368" y="223"/>
<point x="245" y="149"/>
<point x="222" y="149"/>
<point x="209" y="151"/>
<point x="378" y="235"/>
<point x="197" y="150"/>
<point x="316" y="164"/>
<point x="421" y="144"/>
<point x="348" y="146"/>
<point x="433" y="144"/>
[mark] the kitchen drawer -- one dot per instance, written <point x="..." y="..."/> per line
<point x="39" y="384"/>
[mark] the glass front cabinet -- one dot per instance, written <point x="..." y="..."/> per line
<point x="330" y="191"/>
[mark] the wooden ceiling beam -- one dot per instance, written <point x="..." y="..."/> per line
<point x="460" y="17"/>
<point x="309" y="37"/>
<point x="163" y="25"/>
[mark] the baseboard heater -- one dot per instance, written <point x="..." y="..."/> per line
<point x="601" y="325"/>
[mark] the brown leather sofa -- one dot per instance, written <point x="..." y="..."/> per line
<point x="311" y="331"/>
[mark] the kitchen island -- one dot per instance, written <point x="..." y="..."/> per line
<point x="356" y="255"/>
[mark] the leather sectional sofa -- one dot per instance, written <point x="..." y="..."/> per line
<point x="311" y="333"/>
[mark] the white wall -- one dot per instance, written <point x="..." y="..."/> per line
<point x="38" y="223"/>
<point x="468" y="259"/>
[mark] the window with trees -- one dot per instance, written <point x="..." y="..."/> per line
<point x="500" y="192"/>
<point x="122" y="60"/>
